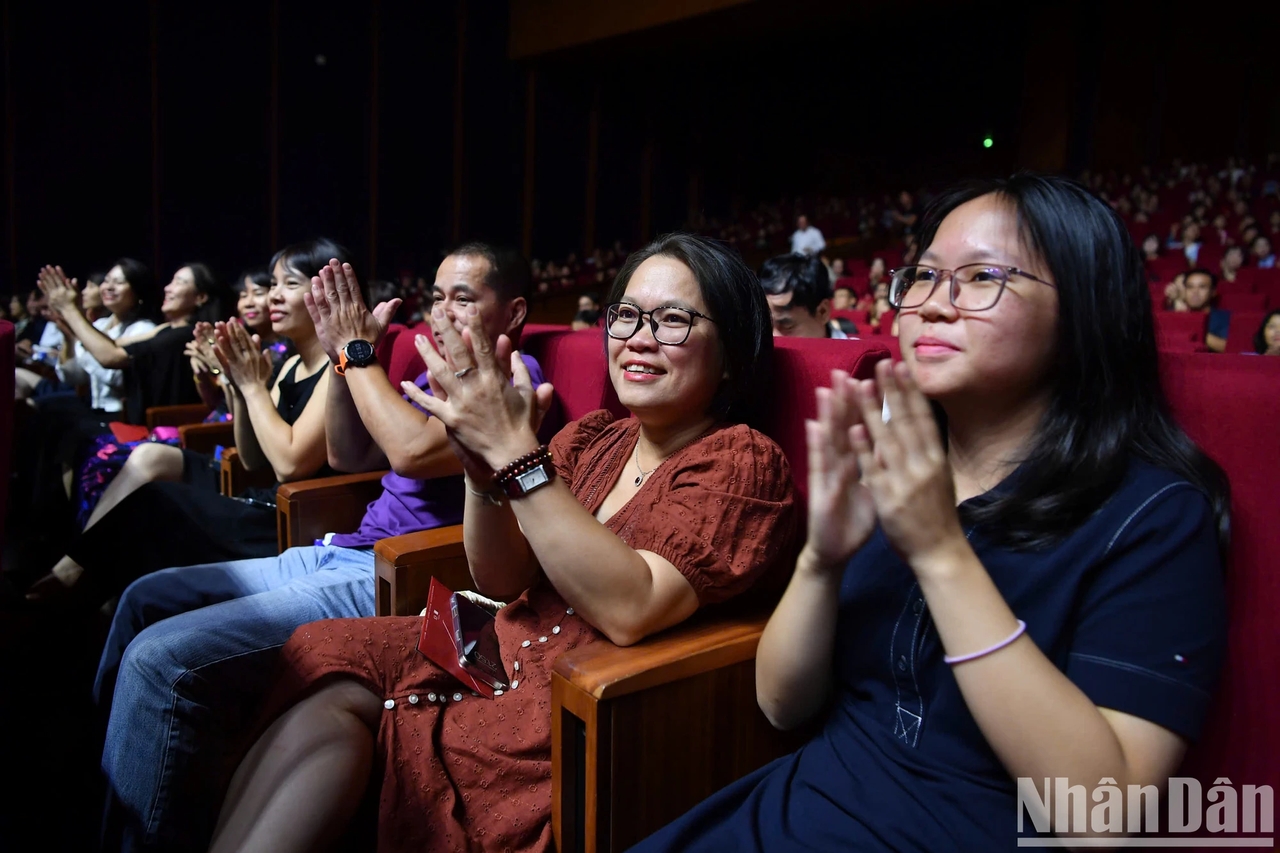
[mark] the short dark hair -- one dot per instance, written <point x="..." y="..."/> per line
<point x="593" y="296"/>
<point x="380" y="290"/>
<point x="509" y="275"/>
<point x="1106" y="405"/>
<point x="1213" y="279"/>
<point x="590" y="316"/>
<point x="738" y="307"/>
<point x="97" y="276"/>
<point x="309" y="256"/>
<point x="805" y="277"/>
<point x="1260" y="337"/>
<point x="259" y="276"/>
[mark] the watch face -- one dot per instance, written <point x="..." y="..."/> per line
<point x="359" y="352"/>
<point x="530" y="480"/>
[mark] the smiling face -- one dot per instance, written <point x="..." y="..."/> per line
<point x="181" y="297"/>
<point x="460" y="283"/>
<point x="288" y="313"/>
<point x="254" y="306"/>
<point x="1004" y="352"/>
<point x="663" y="384"/>
<point x="117" y="293"/>
<point x="90" y="297"/>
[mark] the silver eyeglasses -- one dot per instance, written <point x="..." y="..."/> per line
<point x="670" y="324"/>
<point x="974" y="287"/>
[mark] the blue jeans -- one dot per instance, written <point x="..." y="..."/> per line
<point x="191" y="655"/>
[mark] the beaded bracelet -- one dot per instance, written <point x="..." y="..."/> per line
<point x="528" y="462"/>
<point x="1017" y="632"/>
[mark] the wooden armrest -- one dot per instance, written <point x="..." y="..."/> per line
<point x="702" y="644"/>
<point x="404" y="566"/>
<point x="191" y="413"/>
<point x="236" y="477"/>
<point x="622" y="718"/>
<point x="308" y="509"/>
<point x="203" y="438"/>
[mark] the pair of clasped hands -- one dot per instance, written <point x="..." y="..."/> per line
<point x="864" y="469"/>
<point x="481" y="389"/>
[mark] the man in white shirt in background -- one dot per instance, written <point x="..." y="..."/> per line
<point x="807" y="240"/>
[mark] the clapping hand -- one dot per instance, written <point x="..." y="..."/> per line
<point x="483" y="394"/>
<point x="200" y="350"/>
<point x="842" y="513"/>
<point x="904" y="465"/>
<point x="62" y="293"/>
<point x="338" y="310"/>
<point x="241" y="355"/>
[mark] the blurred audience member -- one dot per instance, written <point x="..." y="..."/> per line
<point x="798" y="291"/>
<point x="807" y="240"/>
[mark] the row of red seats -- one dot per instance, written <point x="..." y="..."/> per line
<point x="1184" y="331"/>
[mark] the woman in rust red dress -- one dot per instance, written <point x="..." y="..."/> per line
<point x="651" y="517"/>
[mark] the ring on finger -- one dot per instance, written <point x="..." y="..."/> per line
<point x="458" y="374"/>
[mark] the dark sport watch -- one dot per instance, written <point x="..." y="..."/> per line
<point x="356" y="353"/>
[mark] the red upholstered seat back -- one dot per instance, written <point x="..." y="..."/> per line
<point x="1242" y="301"/>
<point x="802" y="365"/>
<point x="1180" y="326"/>
<point x="1243" y="326"/>
<point x="1230" y="404"/>
<point x="387" y="345"/>
<point x="6" y="416"/>
<point x="861" y="319"/>
<point x="575" y="364"/>
<point x="403" y="364"/>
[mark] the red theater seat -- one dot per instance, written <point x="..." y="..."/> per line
<point x="1228" y="404"/>
<point x="1243" y="301"/>
<point x="1243" y="326"/>
<point x="1259" y="278"/>
<point x="861" y="319"/>
<point x="1174" y="328"/>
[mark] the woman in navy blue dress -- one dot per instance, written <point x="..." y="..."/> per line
<point x="1026" y="579"/>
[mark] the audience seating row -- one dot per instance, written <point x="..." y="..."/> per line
<point x="622" y="718"/>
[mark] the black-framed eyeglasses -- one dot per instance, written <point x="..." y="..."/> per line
<point x="669" y="323"/>
<point x="974" y="287"/>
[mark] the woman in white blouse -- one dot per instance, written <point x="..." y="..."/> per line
<point x="76" y="366"/>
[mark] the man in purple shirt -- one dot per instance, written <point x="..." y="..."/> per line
<point x="191" y="651"/>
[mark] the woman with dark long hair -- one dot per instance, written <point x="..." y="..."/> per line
<point x="1013" y="573"/>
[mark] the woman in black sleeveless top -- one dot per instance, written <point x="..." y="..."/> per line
<point x="183" y="520"/>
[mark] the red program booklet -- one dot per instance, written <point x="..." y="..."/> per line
<point x="438" y="642"/>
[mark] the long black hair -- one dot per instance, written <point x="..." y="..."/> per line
<point x="1260" y="336"/>
<point x="143" y="285"/>
<point x="736" y="303"/>
<point x="1107" y="405"/>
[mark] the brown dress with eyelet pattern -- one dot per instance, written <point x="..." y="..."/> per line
<point x="464" y="773"/>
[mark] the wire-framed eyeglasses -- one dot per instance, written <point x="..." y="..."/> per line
<point x="974" y="287"/>
<point x="670" y="325"/>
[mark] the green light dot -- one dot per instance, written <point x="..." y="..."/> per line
<point x="987" y="142"/>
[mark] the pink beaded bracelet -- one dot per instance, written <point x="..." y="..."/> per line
<point x="1022" y="626"/>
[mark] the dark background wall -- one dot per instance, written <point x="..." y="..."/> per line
<point x="220" y="132"/>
